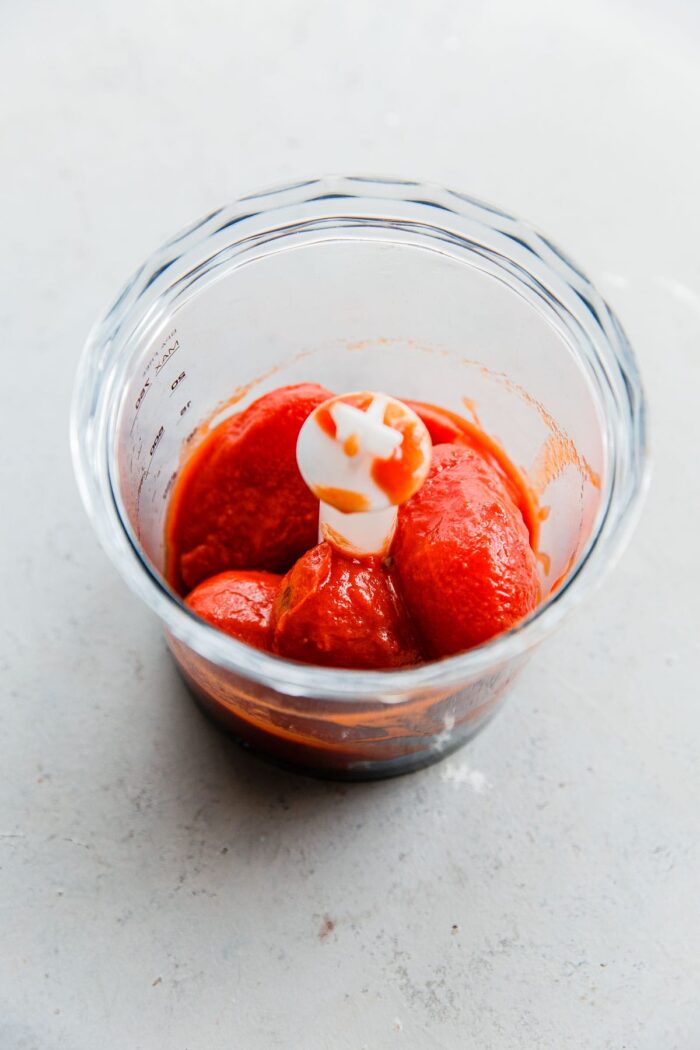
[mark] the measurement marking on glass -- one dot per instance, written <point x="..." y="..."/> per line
<point x="156" y="440"/>
<point x="170" y="352"/>
<point x="171" y="482"/>
<point x="144" y="390"/>
<point x="139" y="401"/>
<point x="154" y="494"/>
<point x="144" y="475"/>
<point x="160" y="359"/>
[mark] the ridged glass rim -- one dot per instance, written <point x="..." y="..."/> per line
<point x="460" y="224"/>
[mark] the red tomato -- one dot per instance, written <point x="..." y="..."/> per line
<point x="240" y="501"/>
<point x="447" y="427"/>
<point x="462" y="553"/>
<point x="342" y="612"/>
<point x="239" y="604"/>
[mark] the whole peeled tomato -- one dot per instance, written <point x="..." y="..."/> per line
<point x="462" y="555"/>
<point x="339" y="611"/>
<point x="239" y="604"/>
<point x="240" y="501"/>
<point x="447" y="427"/>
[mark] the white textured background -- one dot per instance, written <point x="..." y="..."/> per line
<point x="160" y="890"/>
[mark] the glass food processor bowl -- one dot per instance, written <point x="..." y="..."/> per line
<point x="360" y="283"/>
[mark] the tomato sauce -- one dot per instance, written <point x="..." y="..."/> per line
<point x="242" y="534"/>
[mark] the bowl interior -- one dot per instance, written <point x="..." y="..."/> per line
<point x="358" y="307"/>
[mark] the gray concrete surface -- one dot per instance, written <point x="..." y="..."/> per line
<point x="159" y="889"/>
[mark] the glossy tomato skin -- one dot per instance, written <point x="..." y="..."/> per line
<point x="462" y="555"/>
<point x="447" y="427"/>
<point x="338" y="611"/>
<point x="240" y="501"/>
<point x="238" y="603"/>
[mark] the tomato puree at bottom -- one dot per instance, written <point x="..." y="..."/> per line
<point x="242" y="546"/>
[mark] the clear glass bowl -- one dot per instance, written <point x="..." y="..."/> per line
<point x="361" y="283"/>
